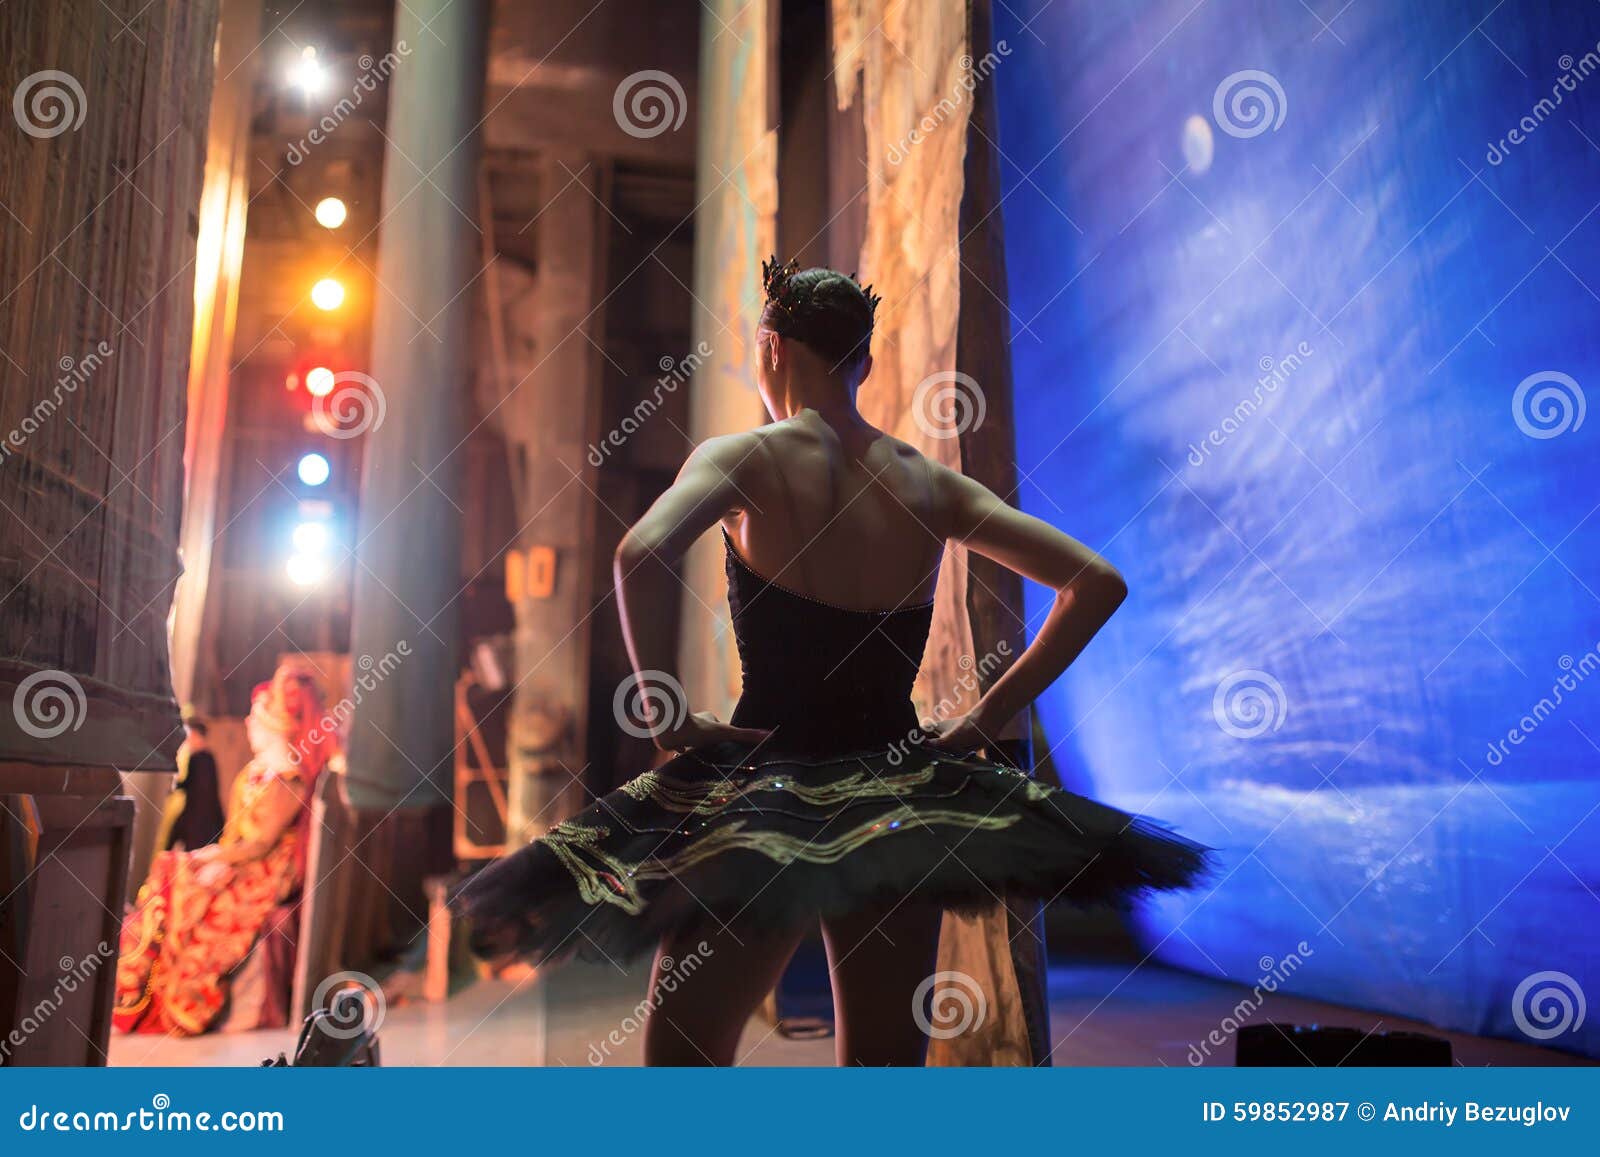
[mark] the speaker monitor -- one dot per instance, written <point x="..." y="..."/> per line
<point x="1318" y="1046"/>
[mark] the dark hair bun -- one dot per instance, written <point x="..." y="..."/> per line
<point x="827" y="310"/>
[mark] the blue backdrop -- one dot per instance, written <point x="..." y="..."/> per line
<point x="1305" y="302"/>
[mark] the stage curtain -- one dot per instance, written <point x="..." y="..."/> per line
<point x="100" y="187"/>
<point x="908" y="68"/>
<point x="1303" y="325"/>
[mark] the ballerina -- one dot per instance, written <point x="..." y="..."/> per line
<point x="822" y="798"/>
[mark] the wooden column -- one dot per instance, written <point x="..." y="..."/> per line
<point x="100" y="178"/>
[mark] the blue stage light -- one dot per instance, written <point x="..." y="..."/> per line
<point x="314" y="469"/>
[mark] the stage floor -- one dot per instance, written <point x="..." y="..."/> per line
<point x="1101" y="1014"/>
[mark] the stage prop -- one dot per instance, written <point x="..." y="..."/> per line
<point x="334" y="1038"/>
<point x="481" y="805"/>
<point x="100" y="175"/>
<point x="1303" y="329"/>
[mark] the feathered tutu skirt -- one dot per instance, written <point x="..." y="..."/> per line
<point x="721" y="836"/>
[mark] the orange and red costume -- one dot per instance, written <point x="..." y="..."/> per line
<point x="183" y="939"/>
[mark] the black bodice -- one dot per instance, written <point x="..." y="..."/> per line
<point x="829" y="679"/>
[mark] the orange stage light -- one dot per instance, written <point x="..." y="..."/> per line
<point x="330" y="212"/>
<point x="327" y="294"/>
<point x="307" y="73"/>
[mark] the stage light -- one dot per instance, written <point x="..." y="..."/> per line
<point x="305" y="571"/>
<point x="1199" y="147"/>
<point x="320" y="381"/>
<point x="311" y="538"/>
<point x="330" y="212"/>
<point x="327" y="294"/>
<point x="306" y="73"/>
<point x="313" y="469"/>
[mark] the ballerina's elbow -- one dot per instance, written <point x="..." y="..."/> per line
<point x="1116" y="587"/>
<point x="1101" y="583"/>
<point x="632" y="550"/>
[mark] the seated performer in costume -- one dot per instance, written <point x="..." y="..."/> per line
<point x="200" y="912"/>
<point x="822" y="798"/>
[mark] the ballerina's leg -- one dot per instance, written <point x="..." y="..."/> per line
<point x="699" y="1009"/>
<point x="877" y="960"/>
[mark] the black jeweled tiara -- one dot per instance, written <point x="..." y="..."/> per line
<point x="777" y="279"/>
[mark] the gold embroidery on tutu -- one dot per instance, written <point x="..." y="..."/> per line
<point x="576" y="845"/>
<point x="701" y="797"/>
<point x="572" y="843"/>
<point x="640" y="787"/>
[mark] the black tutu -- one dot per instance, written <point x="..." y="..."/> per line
<point x="840" y="810"/>
<point x="709" y="840"/>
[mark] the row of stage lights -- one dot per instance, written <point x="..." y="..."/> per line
<point x="312" y="538"/>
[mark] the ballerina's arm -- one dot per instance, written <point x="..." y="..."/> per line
<point x="707" y="489"/>
<point x="1088" y="590"/>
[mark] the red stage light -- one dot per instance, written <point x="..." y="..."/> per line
<point x="320" y="381"/>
